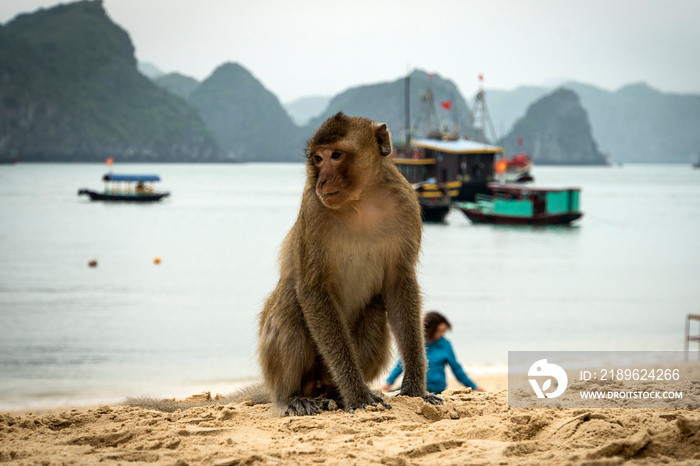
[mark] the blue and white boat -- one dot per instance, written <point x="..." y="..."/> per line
<point x="127" y="188"/>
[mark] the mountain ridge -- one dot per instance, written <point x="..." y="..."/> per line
<point x="72" y="91"/>
<point x="232" y="103"/>
<point x="385" y="102"/>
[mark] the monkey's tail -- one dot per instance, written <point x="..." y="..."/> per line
<point x="255" y="394"/>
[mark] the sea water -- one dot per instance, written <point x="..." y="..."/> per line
<point x="622" y="278"/>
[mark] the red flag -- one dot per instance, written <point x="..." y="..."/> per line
<point x="447" y="104"/>
<point x="109" y="161"/>
<point x="481" y="77"/>
<point x="520" y="140"/>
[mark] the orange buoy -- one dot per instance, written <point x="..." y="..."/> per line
<point x="92" y="263"/>
<point x="156" y="260"/>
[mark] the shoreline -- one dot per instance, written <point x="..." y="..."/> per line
<point x="493" y="378"/>
<point x="478" y="428"/>
<point x="490" y="380"/>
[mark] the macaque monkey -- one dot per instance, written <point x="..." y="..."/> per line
<point x="347" y="276"/>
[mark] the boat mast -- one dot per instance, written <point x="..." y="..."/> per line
<point x="480" y="114"/>
<point x="455" y="116"/>
<point x="427" y="109"/>
<point x="407" y="111"/>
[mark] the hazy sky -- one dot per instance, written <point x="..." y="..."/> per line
<point x="321" y="47"/>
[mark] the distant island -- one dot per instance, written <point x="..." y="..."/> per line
<point x="555" y="131"/>
<point x="72" y="91"/>
<point x="635" y="124"/>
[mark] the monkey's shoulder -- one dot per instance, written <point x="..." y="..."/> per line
<point x="379" y="215"/>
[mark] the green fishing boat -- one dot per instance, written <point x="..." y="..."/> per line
<point x="524" y="205"/>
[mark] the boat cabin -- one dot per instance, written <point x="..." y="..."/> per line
<point x="136" y="184"/>
<point x="522" y="201"/>
<point x="464" y="166"/>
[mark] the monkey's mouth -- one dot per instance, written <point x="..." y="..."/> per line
<point x="328" y="194"/>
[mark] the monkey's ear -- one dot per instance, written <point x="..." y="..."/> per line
<point x="383" y="137"/>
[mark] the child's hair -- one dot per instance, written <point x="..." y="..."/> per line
<point x="430" y="324"/>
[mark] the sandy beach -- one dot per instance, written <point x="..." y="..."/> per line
<point x="470" y="428"/>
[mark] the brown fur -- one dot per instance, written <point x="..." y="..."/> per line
<point x="347" y="276"/>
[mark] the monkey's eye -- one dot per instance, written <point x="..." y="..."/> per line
<point x="318" y="158"/>
<point x="336" y="155"/>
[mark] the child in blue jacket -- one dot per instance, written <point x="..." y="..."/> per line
<point x="439" y="353"/>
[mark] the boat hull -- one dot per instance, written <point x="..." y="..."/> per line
<point x="477" y="216"/>
<point x="141" y="197"/>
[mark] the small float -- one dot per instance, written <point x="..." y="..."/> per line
<point x="127" y="188"/>
<point x="524" y="205"/>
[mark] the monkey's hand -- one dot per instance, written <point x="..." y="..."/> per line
<point x="433" y="399"/>
<point x="428" y="398"/>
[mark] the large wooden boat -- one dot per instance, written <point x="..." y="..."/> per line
<point x="443" y="167"/>
<point x="524" y="205"/>
<point x="127" y="188"/>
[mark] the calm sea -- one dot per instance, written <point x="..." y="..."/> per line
<point x="623" y="278"/>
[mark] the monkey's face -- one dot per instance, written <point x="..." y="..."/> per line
<point x="335" y="182"/>
<point x="343" y="157"/>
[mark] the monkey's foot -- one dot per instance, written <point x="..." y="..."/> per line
<point x="433" y="399"/>
<point x="304" y="406"/>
